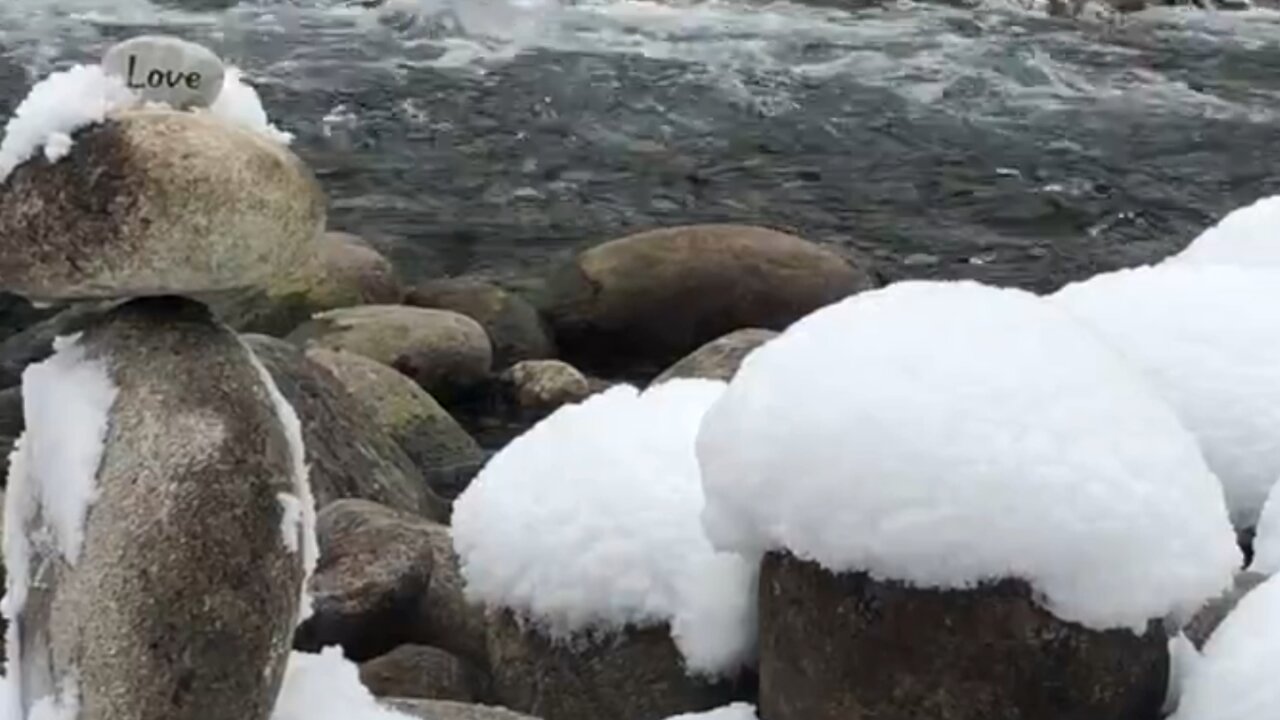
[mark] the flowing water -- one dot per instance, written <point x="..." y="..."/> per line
<point x="493" y="136"/>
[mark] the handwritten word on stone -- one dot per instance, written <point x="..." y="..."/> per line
<point x="166" y="69"/>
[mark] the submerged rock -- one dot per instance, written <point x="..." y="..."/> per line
<point x="515" y="328"/>
<point x="443" y="451"/>
<point x="720" y="358"/>
<point x="156" y="202"/>
<point x="445" y="352"/>
<point x="421" y="671"/>
<point x="979" y="654"/>
<point x="174" y="595"/>
<point x="350" y="455"/>
<point x="648" y="299"/>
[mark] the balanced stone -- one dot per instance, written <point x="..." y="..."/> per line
<point x="156" y="202"/>
<point x="169" y="70"/>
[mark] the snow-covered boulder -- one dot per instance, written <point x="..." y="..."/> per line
<point x="1235" y="677"/>
<point x="641" y="302"/>
<point x="444" y="351"/>
<point x="582" y="537"/>
<point x="158" y="524"/>
<point x="1208" y="340"/>
<point x="956" y="444"/>
<point x="154" y="202"/>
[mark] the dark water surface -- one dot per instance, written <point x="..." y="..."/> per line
<point x="993" y="143"/>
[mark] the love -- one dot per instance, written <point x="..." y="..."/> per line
<point x="158" y="78"/>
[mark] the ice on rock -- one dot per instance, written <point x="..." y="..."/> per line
<point x="590" y="521"/>
<point x="73" y="99"/>
<point x="1208" y="338"/>
<point x="327" y="687"/>
<point x="1234" y="679"/>
<point x="1248" y="236"/>
<point x="736" y="711"/>
<point x="946" y="433"/>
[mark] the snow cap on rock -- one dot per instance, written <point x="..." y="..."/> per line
<point x="944" y="434"/>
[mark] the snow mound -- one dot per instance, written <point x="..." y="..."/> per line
<point x="1248" y="236"/>
<point x="736" y="711"/>
<point x="1266" y="539"/>
<point x="1208" y="337"/>
<point x="590" y="521"/>
<point x="327" y="687"/>
<point x="1234" y="677"/>
<point x="73" y="99"/>
<point x="947" y="433"/>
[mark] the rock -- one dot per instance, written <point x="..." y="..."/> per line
<point x="167" y="70"/>
<point x="538" y="387"/>
<point x="349" y="454"/>
<point x="445" y="619"/>
<point x="443" y="351"/>
<point x="11" y="425"/>
<point x="181" y="600"/>
<point x="515" y="328"/>
<point x="636" y="675"/>
<point x="420" y="671"/>
<point x="720" y="358"/>
<point x="445" y="454"/>
<point x="35" y="343"/>
<point x="1215" y="611"/>
<point x="445" y="710"/>
<point x="17" y="314"/>
<point x="154" y="202"/>
<point x="641" y="302"/>
<point x="375" y="564"/>
<point x="345" y="272"/>
<point x="944" y="655"/>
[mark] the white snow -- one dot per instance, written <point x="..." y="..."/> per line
<point x="297" y="509"/>
<point x="69" y="100"/>
<point x="1235" y="677"/>
<point x="64" y="706"/>
<point x="327" y="687"/>
<point x="589" y="521"/>
<point x="1248" y="236"/>
<point x="1183" y="659"/>
<point x="1208" y="337"/>
<point x="736" y="711"/>
<point x="946" y="433"/>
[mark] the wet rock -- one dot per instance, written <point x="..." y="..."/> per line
<point x="720" y="358"/>
<point x="154" y="202"/>
<point x="445" y="352"/>
<point x="515" y="328"/>
<point x="349" y="454"/>
<point x="420" y="671"/>
<point x="17" y="314"/>
<point x="344" y="272"/>
<point x="445" y="710"/>
<point x="442" y="450"/>
<point x="640" y="303"/>
<point x="375" y="564"/>
<point x="945" y="655"/>
<point x="635" y="675"/>
<point x="11" y="426"/>
<point x="1202" y="625"/>
<point x="537" y="387"/>
<point x="184" y="592"/>
<point x="35" y="343"/>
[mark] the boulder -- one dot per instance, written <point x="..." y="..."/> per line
<point x="446" y="710"/>
<point x="1215" y="611"/>
<point x="537" y="387"/>
<point x="445" y="618"/>
<point x="168" y="70"/>
<point x="632" y="675"/>
<point x="980" y="654"/>
<point x="177" y="598"/>
<point x="375" y="564"/>
<point x="349" y="454"/>
<point x="421" y="671"/>
<point x="155" y="202"/>
<point x="343" y="273"/>
<point x="637" y="304"/>
<point x="11" y="425"/>
<point x="445" y="352"/>
<point x="720" y="358"/>
<point x="515" y="328"/>
<point x="35" y="343"/>
<point x="445" y="454"/>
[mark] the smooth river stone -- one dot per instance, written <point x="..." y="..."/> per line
<point x="168" y="70"/>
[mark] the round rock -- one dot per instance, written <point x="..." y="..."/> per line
<point x="157" y="202"/>
<point x="514" y="326"/>
<point x="168" y="70"/>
